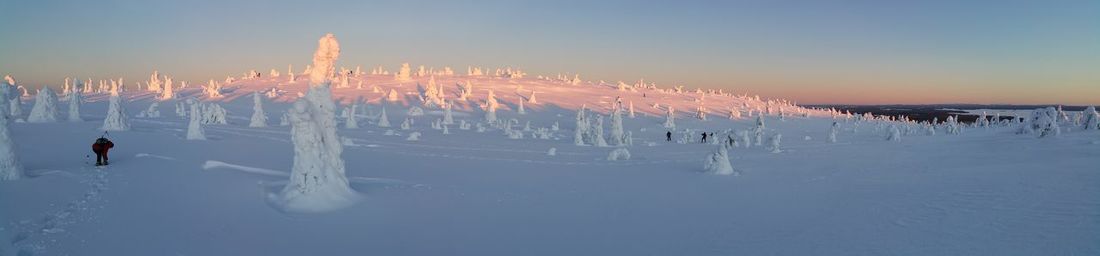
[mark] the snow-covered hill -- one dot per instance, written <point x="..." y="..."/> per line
<point x="522" y="186"/>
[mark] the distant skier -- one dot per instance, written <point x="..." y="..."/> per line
<point x="729" y="140"/>
<point x="704" y="137"/>
<point x="668" y="136"/>
<point x="100" y="147"/>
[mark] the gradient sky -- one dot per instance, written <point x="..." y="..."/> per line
<point x="860" y="52"/>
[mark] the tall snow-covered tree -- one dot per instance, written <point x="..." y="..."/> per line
<point x="116" y="116"/>
<point x="491" y="108"/>
<point x="597" y="131"/>
<point x="154" y="82"/>
<point x="383" y="121"/>
<point x="45" y="107"/>
<point x="581" y="128"/>
<point x="832" y="132"/>
<point x="290" y="72"/>
<point x="317" y="180"/>
<point x="670" y="118"/>
<point x="448" y="116"/>
<point x="75" y="99"/>
<point x="10" y="167"/>
<point x="194" y="125"/>
<point x="617" y="132"/>
<point x="631" y="109"/>
<point x="758" y="131"/>
<point x="259" y="118"/>
<point x="351" y="122"/>
<point x="15" y="107"/>
<point x="168" y="93"/>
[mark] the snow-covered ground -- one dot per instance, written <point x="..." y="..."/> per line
<point x="986" y="191"/>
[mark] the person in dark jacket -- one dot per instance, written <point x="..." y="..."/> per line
<point x="100" y="147"/>
<point x="704" y="137"/>
<point x="668" y="136"/>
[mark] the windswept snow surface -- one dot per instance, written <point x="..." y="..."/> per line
<point x="986" y="191"/>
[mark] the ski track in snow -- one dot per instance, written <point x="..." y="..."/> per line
<point x="37" y="236"/>
<point x="154" y="156"/>
<point x="210" y="164"/>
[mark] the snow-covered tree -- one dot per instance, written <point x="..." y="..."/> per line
<point x="15" y="107"/>
<point x="407" y="124"/>
<point x="894" y="134"/>
<point x="116" y="116"/>
<point x="213" y="89"/>
<point x="1043" y="122"/>
<point x="532" y="99"/>
<point x="10" y="167"/>
<point x="670" y="118"/>
<point x="617" y="134"/>
<point x="952" y="124"/>
<point x="448" y="116"/>
<point x="746" y="140"/>
<point x="317" y="179"/>
<point x="618" y="154"/>
<point x="758" y="131"/>
<point x="152" y="112"/>
<point x="832" y="132"/>
<point x="404" y="73"/>
<point x="491" y="108"/>
<point x="719" y="162"/>
<point x="45" y="107"/>
<point x="774" y="147"/>
<point x="735" y="114"/>
<point x="413" y="136"/>
<point x="521" y="110"/>
<point x="168" y="93"/>
<point x="581" y="128"/>
<point x="631" y="109"/>
<point x="383" y="121"/>
<point x="259" y="118"/>
<point x="194" y="126"/>
<point x="1091" y="119"/>
<point x="154" y="82"/>
<point x="351" y="122"/>
<point x="75" y="99"/>
<point x="393" y="96"/>
<point x="212" y="113"/>
<point x="290" y="72"/>
<point x="597" y="131"/>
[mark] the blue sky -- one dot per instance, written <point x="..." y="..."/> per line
<point x="810" y="51"/>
